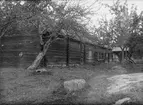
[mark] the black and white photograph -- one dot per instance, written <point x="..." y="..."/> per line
<point x="71" y="52"/>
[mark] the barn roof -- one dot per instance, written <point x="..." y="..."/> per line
<point x="117" y="49"/>
<point x="84" y="37"/>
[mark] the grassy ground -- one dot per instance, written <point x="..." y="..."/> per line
<point x="19" y="85"/>
<point x="23" y="86"/>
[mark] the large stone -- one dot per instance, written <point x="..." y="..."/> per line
<point x="125" y="83"/>
<point x="74" y="85"/>
<point x="123" y="101"/>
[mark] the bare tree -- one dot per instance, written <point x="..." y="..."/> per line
<point x="59" y="19"/>
<point x="11" y="14"/>
<point x="121" y="24"/>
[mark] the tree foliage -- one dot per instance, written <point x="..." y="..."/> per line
<point x="118" y="29"/>
<point x="14" y="15"/>
<point x="104" y="33"/>
<point x="121" y="24"/>
<point x="8" y="16"/>
<point x="135" y="41"/>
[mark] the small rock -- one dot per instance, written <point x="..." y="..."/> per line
<point x="123" y="101"/>
<point x="41" y="70"/>
<point x="74" y="85"/>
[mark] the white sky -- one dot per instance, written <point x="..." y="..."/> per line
<point x="105" y="11"/>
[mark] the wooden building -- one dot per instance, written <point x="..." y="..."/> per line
<point x="117" y="53"/>
<point x="20" y="50"/>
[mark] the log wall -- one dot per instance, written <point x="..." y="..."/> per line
<point x="21" y="50"/>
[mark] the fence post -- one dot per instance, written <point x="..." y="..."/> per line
<point x="84" y="54"/>
<point x="1" y="58"/>
<point x="108" y="57"/>
<point x="81" y="53"/>
<point x="67" y="51"/>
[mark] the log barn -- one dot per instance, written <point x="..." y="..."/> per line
<point x="21" y="48"/>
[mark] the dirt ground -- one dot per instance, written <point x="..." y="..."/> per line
<point x="20" y="86"/>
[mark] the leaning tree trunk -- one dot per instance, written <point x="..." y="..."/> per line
<point x="40" y="56"/>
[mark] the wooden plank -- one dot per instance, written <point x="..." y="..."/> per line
<point x="74" y="50"/>
<point x="16" y="53"/>
<point x="75" y="57"/>
<point x="12" y="60"/>
<point x="19" y="39"/>
<point x="19" y="47"/>
<point x="20" y="43"/>
<point x="57" y="46"/>
<point x="9" y="65"/>
<point x="56" y="63"/>
<point x="75" y="54"/>
<point x="75" y="46"/>
<point x="16" y="61"/>
<point x="56" y="59"/>
<point x="27" y="59"/>
<point x="56" y="51"/>
<point x="21" y="50"/>
<point x="75" y="60"/>
<point x="56" y="54"/>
